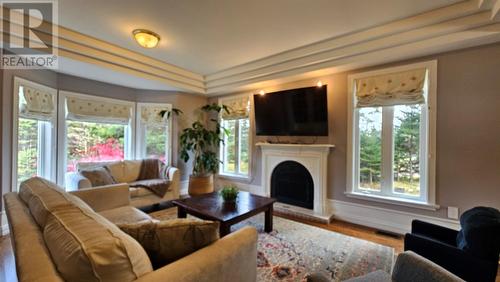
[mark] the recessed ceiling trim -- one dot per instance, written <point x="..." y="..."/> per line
<point x="458" y="40"/>
<point x="429" y="18"/>
<point x="464" y="23"/>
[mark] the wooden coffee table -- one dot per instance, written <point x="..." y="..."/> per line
<point x="211" y="207"/>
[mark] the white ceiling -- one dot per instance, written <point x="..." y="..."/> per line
<point x="207" y="36"/>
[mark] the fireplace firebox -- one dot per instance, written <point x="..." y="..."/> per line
<point x="291" y="183"/>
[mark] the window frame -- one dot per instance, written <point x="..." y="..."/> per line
<point x="238" y="175"/>
<point x="140" y="145"/>
<point x="48" y="141"/>
<point x="427" y="199"/>
<point x="129" y="143"/>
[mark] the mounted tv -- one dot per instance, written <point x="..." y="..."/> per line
<point x="295" y="112"/>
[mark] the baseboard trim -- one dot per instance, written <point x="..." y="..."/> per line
<point x="382" y="218"/>
<point x="375" y="217"/>
<point x="4" y="230"/>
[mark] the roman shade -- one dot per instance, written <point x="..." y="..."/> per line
<point x="97" y="111"/>
<point x="36" y="104"/>
<point x="399" y="88"/>
<point x="150" y="115"/>
<point x="238" y="108"/>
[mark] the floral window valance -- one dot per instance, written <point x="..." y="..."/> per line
<point x="150" y="115"/>
<point x="400" y="88"/>
<point x="96" y="111"/>
<point x="36" y="104"/>
<point x="238" y="108"/>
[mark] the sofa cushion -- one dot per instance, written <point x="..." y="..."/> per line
<point x="131" y="168"/>
<point x="42" y="196"/>
<point x="86" y="247"/>
<point x="124" y="215"/>
<point x="99" y="176"/>
<point x="139" y="192"/>
<point x="167" y="241"/>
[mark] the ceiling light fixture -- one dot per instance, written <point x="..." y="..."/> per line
<point x="319" y="84"/>
<point x="146" y="38"/>
<point x="262" y="93"/>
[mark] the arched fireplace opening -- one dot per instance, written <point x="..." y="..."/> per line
<point x="291" y="183"/>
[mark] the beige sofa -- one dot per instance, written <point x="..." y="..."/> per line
<point x="55" y="235"/>
<point x="124" y="172"/>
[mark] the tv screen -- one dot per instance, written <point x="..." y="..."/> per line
<point x="296" y="112"/>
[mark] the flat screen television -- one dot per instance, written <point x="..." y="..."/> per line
<point x="295" y="112"/>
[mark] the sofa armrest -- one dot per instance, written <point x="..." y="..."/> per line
<point x="174" y="175"/>
<point x="75" y="181"/>
<point x="231" y="258"/>
<point x="434" y="231"/>
<point x="451" y="258"/>
<point x="411" y="267"/>
<point x="105" y="197"/>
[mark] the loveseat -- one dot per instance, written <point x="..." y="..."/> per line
<point x="125" y="172"/>
<point x="60" y="236"/>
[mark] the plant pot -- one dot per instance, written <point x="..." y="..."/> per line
<point x="199" y="185"/>
<point x="229" y="205"/>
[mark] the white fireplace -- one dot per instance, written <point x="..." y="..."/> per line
<point x="314" y="158"/>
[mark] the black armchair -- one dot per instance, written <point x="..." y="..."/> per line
<point x="439" y="244"/>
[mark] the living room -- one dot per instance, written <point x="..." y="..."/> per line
<point x="362" y="144"/>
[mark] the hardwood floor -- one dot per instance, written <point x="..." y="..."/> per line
<point x="8" y="270"/>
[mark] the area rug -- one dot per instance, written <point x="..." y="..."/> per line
<point x="293" y="250"/>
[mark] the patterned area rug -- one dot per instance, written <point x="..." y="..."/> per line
<point x="293" y="250"/>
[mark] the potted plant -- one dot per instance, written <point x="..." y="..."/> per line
<point x="201" y="142"/>
<point x="229" y="194"/>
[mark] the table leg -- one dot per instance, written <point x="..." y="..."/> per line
<point x="224" y="229"/>
<point x="268" y="226"/>
<point x="181" y="212"/>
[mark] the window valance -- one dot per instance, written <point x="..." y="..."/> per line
<point x="36" y="104"/>
<point x="150" y="115"/>
<point x="400" y="88"/>
<point x="97" y="111"/>
<point x="238" y="108"/>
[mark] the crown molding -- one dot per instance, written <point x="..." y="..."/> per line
<point x="465" y="24"/>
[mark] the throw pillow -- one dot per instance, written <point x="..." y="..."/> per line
<point x="170" y="240"/>
<point x="480" y="232"/>
<point x="99" y="176"/>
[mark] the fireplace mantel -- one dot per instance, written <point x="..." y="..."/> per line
<point x="314" y="157"/>
<point x="294" y="146"/>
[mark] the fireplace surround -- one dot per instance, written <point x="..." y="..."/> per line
<point x="312" y="157"/>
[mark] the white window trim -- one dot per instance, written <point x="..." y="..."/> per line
<point x="430" y="197"/>
<point x="129" y="148"/>
<point x="140" y="131"/>
<point x="50" y="164"/>
<point x="238" y="176"/>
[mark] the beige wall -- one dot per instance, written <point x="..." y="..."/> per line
<point x="186" y="102"/>
<point x="468" y="131"/>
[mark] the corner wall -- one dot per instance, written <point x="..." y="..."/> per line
<point x="468" y="132"/>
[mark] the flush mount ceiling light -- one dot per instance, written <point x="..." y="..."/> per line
<point x="146" y="38"/>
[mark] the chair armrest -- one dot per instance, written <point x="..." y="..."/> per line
<point x="105" y="197"/>
<point x="440" y="233"/>
<point x="174" y="175"/>
<point x="231" y="258"/>
<point x="460" y="263"/>
<point x="411" y="267"/>
<point x="75" y="181"/>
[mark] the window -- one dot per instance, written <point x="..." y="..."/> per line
<point x="392" y="125"/>
<point x="94" y="129"/>
<point x="235" y="153"/>
<point x="153" y="132"/>
<point x="34" y="131"/>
